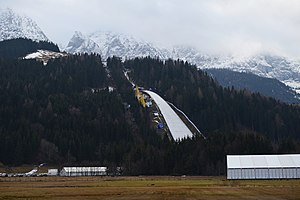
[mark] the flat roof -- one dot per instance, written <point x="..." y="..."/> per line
<point x="176" y="126"/>
<point x="263" y="161"/>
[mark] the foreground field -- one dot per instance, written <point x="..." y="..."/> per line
<point x="145" y="188"/>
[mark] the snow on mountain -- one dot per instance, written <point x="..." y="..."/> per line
<point x="80" y="43"/>
<point x="113" y="44"/>
<point x="14" y="26"/>
<point x="269" y="66"/>
<point x="192" y="55"/>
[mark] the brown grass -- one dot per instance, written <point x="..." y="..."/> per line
<point x="145" y="188"/>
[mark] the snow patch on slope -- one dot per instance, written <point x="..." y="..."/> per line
<point x="295" y="85"/>
<point x="45" y="55"/>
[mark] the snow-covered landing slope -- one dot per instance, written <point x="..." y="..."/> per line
<point x="176" y="126"/>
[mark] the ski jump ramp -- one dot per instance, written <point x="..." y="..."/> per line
<point x="176" y="126"/>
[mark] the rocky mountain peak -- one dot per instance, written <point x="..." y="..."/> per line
<point x="13" y="25"/>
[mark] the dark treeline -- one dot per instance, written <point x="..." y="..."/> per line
<point x="63" y="114"/>
<point x="267" y="86"/>
<point x="50" y="114"/>
<point x="16" y="48"/>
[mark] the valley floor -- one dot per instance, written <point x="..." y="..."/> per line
<point x="151" y="187"/>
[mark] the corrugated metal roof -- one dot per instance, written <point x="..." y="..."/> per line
<point x="177" y="128"/>
<point x="263" y="161"/>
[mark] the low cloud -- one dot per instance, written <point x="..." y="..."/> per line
<point x="213" y="26"/>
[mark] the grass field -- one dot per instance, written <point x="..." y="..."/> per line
<point x="145" y="188"/>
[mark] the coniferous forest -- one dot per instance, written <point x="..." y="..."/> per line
<point x="16" y="48"/>
<point x="64" y="114"/>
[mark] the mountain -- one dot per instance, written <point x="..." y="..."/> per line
<point x="113" y="44"/>
<point x="192" y="55"/>
<point x="110" y="44"/>
<point x="283" y="69"/>
<point x="82" y="44"/>
<point x="267" y="86"/>
<point x="13" y="25"/>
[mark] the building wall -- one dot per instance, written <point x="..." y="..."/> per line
<point x="80" y="172"/>
<point x="264" y="173"/>
<point x="275" y="173"/>
<point x="52" y="172"/>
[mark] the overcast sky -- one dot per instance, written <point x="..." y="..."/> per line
<point x="241" y="27"/>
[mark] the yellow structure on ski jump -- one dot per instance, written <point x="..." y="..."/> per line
<point x="140" y="96"/>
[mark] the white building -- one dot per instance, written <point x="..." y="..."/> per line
<point x="52" y="172"/>
<point x="263" y="166"/>
<point x="83" y="171"/>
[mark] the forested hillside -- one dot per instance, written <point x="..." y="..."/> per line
<point x="64" y="114"/>
<point x="265" y="86"/>
<point x="212" y="107"/>
<point x="51" y="114"/>
<point x="16" y="48"/>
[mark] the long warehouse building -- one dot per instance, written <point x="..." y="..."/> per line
<point x="83" y="171"/>
<point x="263" y="166"/>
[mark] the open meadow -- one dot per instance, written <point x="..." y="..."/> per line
<point x="141" y="187"/>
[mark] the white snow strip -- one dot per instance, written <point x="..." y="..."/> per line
<point x="33" y="55"/>
<point x="127" y="77"/>
<point x="186" y="117"/>
<point x="176" y="126"/>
